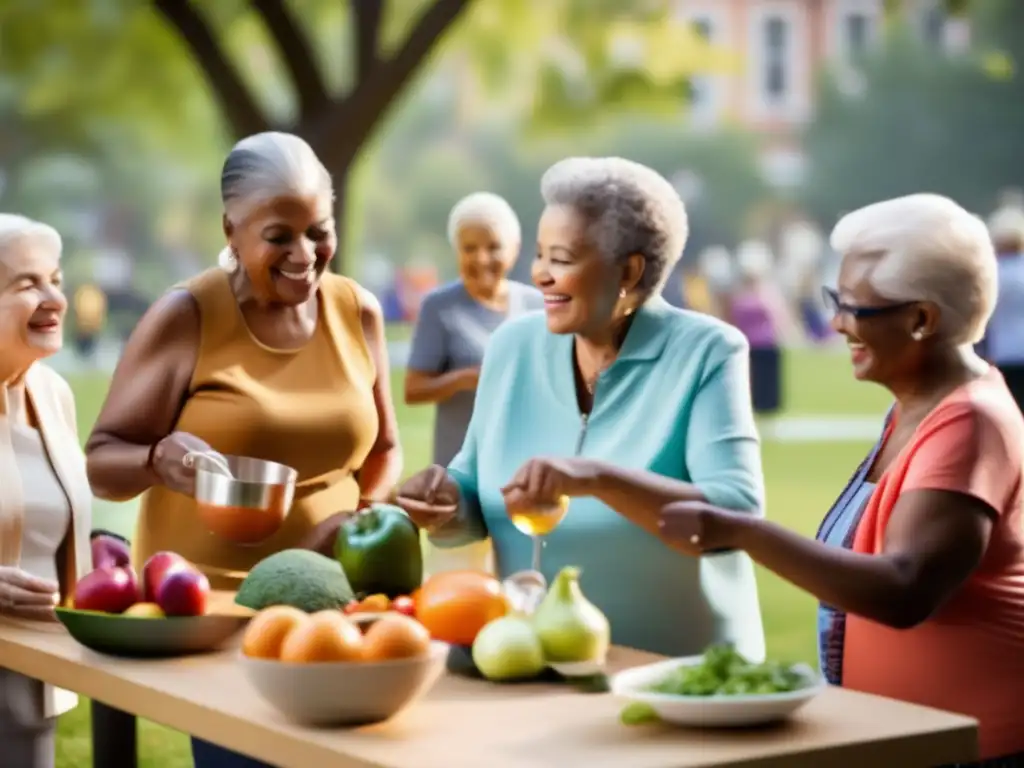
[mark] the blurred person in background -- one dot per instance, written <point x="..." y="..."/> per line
<point x="717" y="272"/>
<point x="615" y="398"/>
<point x="919" y="565"/>
<point x="45" y="502"/>
<point x="1004" y="338"/>
<point x="90" y="315"/>
<point x="802" y="250"/>
<point x="269" y="356"/>
<point x="757" y="308"/>
<point x="454" y="324"/>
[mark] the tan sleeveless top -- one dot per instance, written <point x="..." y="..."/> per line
<point x="311" y="408"/>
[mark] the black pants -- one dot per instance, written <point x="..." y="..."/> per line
<point x="766" y="379"/>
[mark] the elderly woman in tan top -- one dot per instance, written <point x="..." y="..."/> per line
<point x="269" y="356"/>
<point x="44" y="493"/>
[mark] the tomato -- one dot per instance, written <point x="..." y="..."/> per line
<point x="375" y="603"/>
<point x="404" y="605"/>
<point x="454" y="606"/>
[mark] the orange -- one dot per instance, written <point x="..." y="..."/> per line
<point x="395" y="637"/>
<point x="454" y="606"/>
<point x="268" y="629"/>
<point x="326" y="636"/>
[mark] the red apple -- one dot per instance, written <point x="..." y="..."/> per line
<point x="108" y="551"/>
<point x="156" y="570"/>
<point x="111" y="590"/>
<point x="183" y="592"/>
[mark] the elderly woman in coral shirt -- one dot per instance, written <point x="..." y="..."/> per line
<point x="919" y="565"/>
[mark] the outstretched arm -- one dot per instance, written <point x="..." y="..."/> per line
<point x="723" y="454"/>
<point x="934" y="539"/>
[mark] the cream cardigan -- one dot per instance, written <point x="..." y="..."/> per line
<point x="54" y="405"/>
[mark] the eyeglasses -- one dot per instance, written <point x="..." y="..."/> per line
<point x="834" y="305"/>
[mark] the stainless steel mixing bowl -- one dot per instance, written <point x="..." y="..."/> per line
<point x="247" y="506"/>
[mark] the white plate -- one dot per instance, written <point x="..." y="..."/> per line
<point x="711" y="711"/>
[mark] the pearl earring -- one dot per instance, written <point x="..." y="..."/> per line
<point x="917" y="335"/>
<point x="228" y="260"/>
<point x="622" y="293"/>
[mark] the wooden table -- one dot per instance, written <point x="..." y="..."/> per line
<point x="467" y="724"/>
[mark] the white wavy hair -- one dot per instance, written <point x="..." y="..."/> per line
<point x="15" y="228"/>
<point x="267" y="166"/>
<point x="629" y="209"/>
<point x="931" y="250"/>
<point x="485" y="209"/>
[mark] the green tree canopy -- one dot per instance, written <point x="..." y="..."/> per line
<point x="917" y="119"/>
<point x="329" y="70"/>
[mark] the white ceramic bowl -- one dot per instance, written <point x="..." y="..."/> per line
<point x="711" y="711"/>
<point x="345" y="693"/>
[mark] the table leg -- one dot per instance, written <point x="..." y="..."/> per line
<point x="113" y="738"/>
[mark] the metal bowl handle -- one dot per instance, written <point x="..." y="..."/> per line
<point x="212" y="459"/>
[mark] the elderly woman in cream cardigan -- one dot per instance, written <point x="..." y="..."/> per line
<point x="44" y="492"/>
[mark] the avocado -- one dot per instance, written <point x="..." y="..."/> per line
<point x="296" y="577"/>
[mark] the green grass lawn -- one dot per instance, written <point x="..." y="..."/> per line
<point x="802" y="480"/>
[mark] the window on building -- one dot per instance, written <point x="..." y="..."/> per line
<point x="933" y="26"/>
<point x="700" y="87"/>
<point x="776" y="42"/>
<point x="856" y="33"/>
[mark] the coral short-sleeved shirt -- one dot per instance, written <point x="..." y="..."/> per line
<point x="969" y="656"/>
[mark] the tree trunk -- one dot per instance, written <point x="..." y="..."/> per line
<point x="343" y="262"/>
<point x="336" y="127"/>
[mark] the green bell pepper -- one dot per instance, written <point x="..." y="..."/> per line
<point x="379" y="549"/>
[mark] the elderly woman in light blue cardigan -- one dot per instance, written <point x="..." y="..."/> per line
<point x="620" y="401"/>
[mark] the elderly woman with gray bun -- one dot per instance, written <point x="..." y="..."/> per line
<point x="616" y="399"/>
<point x="45" y="504"/>
<point x="269" y="356"/>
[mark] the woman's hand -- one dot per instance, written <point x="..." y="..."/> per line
<point x="24" y="596"/>
<point x="169" y="462"/>
<point x="430" y="497"/>
<point x="540" y="483"/>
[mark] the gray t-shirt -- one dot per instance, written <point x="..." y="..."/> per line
<point x="451" y="332"/>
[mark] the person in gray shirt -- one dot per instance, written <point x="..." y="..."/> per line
<point x="456" y="320"/>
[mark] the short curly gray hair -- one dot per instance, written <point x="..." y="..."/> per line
<point x="488" y="210"/>
<point x="629" y="208"/>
